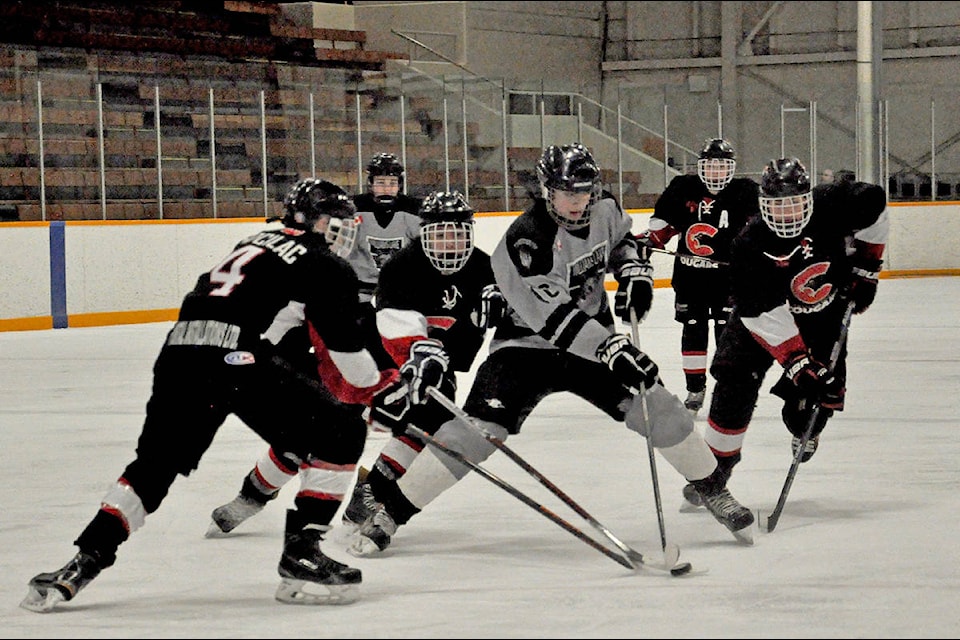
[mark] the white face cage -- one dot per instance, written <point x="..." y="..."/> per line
<point x="447" y="245"/>
<point x="716" y="173"/>
<point x="570" y="209"/>
<point x="341" y="235"/>
<point x="787" y="216"/>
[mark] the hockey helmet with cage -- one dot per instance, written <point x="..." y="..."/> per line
<point x="716" y="164"/>
<point x="388" y="165"/>
<point x="446" y="230"/>
<point x="786" y="202"/>
<point x="311" y="199"/>
<point x="569" y="169"/>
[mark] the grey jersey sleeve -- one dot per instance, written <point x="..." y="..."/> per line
<point x="554" y="281"/>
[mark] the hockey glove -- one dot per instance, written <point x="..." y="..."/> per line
<point x="632" y="367"/>
<point x="491" y="310"/>
<point x="390" y="405"/>
<point x="634" y="290"/>
<point x="863" y="285"/>
<point x="426" y="367"/>
<point x="815" y="381"/>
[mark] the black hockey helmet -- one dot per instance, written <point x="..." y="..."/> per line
<point x="446" y="230"/>
<point x="716" y="164"/>
<point x="572" y="169"/>
<point x="786" y="201"/>
<point x="385" y="164"/>
<point x="311" y="199"/>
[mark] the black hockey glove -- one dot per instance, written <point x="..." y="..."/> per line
<point x="634" y="290"/>
<point x="863" y="284"/>
<point x="491" y="310"/>
<point x="390" y="405"/>
<point x="815" y="381"/>
<point x="426" y="367"/>
<point x="632" y="367"/>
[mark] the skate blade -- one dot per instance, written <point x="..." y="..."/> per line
<point x="688" y="507"/>
<point x="745" y="536"/>
<point x="41" y="601"/>
<point x="293" y="591"/>
<point x="363" y="547"/>
<point x="214" y="531"/>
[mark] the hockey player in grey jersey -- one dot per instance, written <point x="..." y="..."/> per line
<point x="559" y="336"/>
<point x="387" y="220"/>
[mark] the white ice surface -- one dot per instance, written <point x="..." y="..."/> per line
<point x="867" y="546"/>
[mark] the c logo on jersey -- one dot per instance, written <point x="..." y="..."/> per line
<point x="804" y="287"/>
<point x="692" y="238"/>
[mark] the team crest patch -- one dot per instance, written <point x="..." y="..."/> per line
<point x="239" y="357"/>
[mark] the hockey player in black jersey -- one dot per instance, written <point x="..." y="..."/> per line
<point x="387" y="220"/>
<point x="435" y="299"/>
<point x="217" y="360"/>
<point x="794" y="270"/>
<point x="705" y="212"/>
<point x="559" y="336"/>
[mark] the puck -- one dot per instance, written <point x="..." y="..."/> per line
<point x="681" y="569"/>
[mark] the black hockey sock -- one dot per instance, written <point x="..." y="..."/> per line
<point x="252" y="490"/>
<point x="102" y="537"/>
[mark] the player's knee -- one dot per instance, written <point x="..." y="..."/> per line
<point x="468" y="440"/>
<point x="666" y="423"/>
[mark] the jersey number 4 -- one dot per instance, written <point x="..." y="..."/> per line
<point x="229" y="273"/>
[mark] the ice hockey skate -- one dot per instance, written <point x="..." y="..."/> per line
<point x="362" y="505"/>
<point x="694" y="401"/>
<point x="691" y="499"/>
<point x="307" y="575"/>
<point x="730" y="513"/>
<point x="228" y="517"/>
<point x="47" y="590"/>
<point x="374" y="536"/>
<point x="808" y="450"/>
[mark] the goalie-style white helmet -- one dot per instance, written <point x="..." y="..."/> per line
<point x="717" y="164"/>
<point x="312" y="199"/>
<point x="786" y="202"/>
<point x="446" y="230"/>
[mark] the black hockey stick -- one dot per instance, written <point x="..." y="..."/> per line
<point x="774" y="517"/>
<point x="635" y="335"/>
<point x="629" y="563"/>
<point x="722" y="263"/>
<point x="636" y="558"/>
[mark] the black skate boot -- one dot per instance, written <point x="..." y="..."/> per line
<point x="691" y="499"/>
<point x="46" y="590"/>
<point x="694" y="400"/>
<point x="303" y="563"/>
<point x="362" y="505"/>
<point x="808" y="450"/>
<point x="720" y="502"/>
<point x="374" y="536"/>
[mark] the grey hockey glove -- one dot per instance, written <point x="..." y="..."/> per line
<point x="491" y="310"/>
<point x="390" y="405"/>
<point x="632" y="367"/>
<point x="815" y="381"/>
<point x="426" y="367"/>
<point x="634" y="289"/>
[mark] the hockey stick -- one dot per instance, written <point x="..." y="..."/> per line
<point x="722" y="263"/>
<point x="774" y="517"/>
<point x="671" y="555"/>
<point x="635" y="335"/>
<point x="629" y="563"/>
